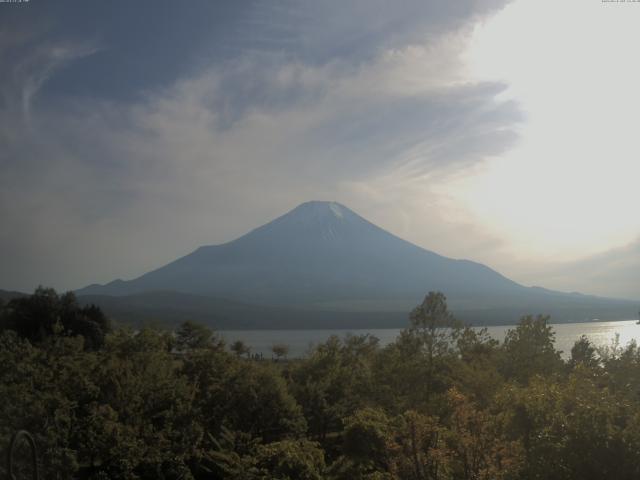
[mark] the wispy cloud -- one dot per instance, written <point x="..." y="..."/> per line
<point x="611" y="273"/>
<point x="28" y="61"/>
<point x="101" y="188"/>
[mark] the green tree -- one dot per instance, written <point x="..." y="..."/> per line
<point x="584" y="353"/>
<point x="240" y="348"/>
<point x="45" y="314"/>
<point x="238" y="456"/>
<point x="478" y="442"/>
<point x="434" y="326"/>
<point x="415" y="371"/>
<point x="280" y="350"/>
<point x="367" y="439"/>
<point x="141" y="387"/>
<point x="193" y="336"/>
<point x="291" y="460"/>
<point x="476" y="373"/>
<point x="334" y="381"/>
<point x="420" y="452"/>
<point x="247" y="397"/>
<point x="39" y="388"/>
<point x="529" y="350"/>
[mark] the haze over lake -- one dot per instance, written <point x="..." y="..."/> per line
<point x="300" y="341"/>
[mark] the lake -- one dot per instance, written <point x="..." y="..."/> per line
<point x="300" y="341"/>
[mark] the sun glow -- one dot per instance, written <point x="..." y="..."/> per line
<point x="571" y="185"/>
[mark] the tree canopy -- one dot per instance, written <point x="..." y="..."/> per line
<point x="442" y="402"/>
<point x="45" y="313"/>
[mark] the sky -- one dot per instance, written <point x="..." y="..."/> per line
<point x="499" y="131"/>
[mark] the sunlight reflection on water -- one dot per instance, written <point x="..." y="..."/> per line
<point x="300" y="341"/>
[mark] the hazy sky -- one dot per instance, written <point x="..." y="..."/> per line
<point x="503" y="132"/>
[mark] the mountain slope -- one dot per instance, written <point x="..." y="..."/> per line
<point x="171" y="308"/>
<point x="318" y="252"/>
<point x="321" y="255"/>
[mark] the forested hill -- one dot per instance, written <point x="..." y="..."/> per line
<point x="6" y="295"/>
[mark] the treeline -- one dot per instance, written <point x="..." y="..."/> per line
<point x="443" y="401"/>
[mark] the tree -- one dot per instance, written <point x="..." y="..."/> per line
<point x="280" y="350"/>
<point x="238" y="456"/>
<point x="476" y="373"/>
<point x="143" y="411"/>
<point x="334" y="382"/>
<point x="291" y="460"/>
<point x="420" y="452"/>
<point x="478" y="443"/>
<point x="529" y="350"/>
<point x="194" y="336"/>
<point x="240" y="348"/>
<point x="33" y="317"/>
<point x="430" y="340"/>
<point x="583" y="353"/>
<point x="249" y="397"/>
<point x="434" y="325"/>
<point x="45" y="314"/>
<point x="258" y="401"/>
<point x="367" y="437"/>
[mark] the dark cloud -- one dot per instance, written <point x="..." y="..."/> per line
<point x="133" y="132"/>
<point x="151" y="43"/>
<point x="145" y="44"/>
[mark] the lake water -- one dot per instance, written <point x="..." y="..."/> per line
<point x="300" y="341"/>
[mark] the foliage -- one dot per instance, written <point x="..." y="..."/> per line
<point x="193" y="336"/>
<point x="240" y="348"/>
<point x="584" y="353"/>
<point x="45" y="313"/>
<point x="241" y="457"/>
<point x="442" y="402"/>
<point x="333" y="382"/>
<point x="280" y="350"/>
<point x="528" y="350"/>
<point x="433" y="326"/>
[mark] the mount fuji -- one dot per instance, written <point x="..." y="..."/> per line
<point x="322" y="265"/>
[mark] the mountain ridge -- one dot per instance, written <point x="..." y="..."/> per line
<point x="323" y="256"/>
<point x="308" y="237"/>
